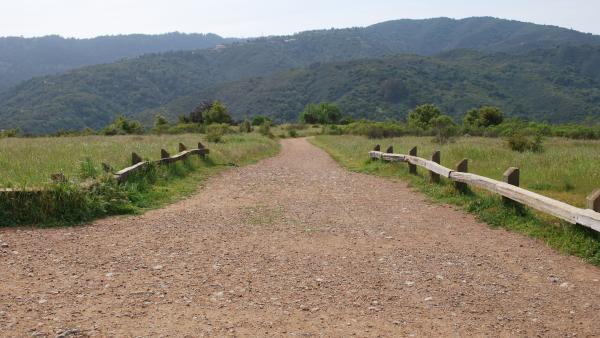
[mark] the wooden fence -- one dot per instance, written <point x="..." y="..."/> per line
<point x="138" y="164"/>
<point x="121" y="176"/>
<point x="508" y="188"/>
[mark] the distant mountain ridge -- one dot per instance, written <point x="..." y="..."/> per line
<point x="388" y="87"/>
<point x="94" y="95"/>
<point x="24" y="58"/>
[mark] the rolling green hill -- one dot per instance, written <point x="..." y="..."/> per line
<point x="92" y="96"/>
<point x="24" y="58"/>
<point x="387" y="88"/>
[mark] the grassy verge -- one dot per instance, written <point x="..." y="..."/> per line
<point x="66" y="203"/>
<point x="351" y="152"/>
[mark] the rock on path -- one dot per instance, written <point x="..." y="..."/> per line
<point x="293" y="245"/>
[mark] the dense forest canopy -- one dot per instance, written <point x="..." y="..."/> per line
<point x="24" y="58"/>
<point x="387" y="88"/>
<point x="538" y="71"/>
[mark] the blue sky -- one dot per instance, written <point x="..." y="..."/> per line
<point x="88" y="18"/>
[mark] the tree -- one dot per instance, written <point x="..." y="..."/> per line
<point x="329" y="113"/>
<point x="324" y="113"/>
<point x="197" y="115"/>
<point x="310" y="114"/>
<point x="217" y="113"/>
<point x="483" y="117"/>
<point x="259" y="120"/>
<point x="160" y="123"/>
<point x="122" y="126"/>
<point x="444" y="128"/>
<point x="422" y="115"/>
<point x="246" y="127"/>
<point x="490" y="116"/>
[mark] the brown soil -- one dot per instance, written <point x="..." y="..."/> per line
<point x="293" y="246"/>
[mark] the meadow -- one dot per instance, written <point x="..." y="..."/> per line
<point x="29" y="162"/>
<point x="567" y="170"/>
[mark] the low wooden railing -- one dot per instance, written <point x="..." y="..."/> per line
<point x="138" y="164"/>
<point x="509" y="188"/>
<point x="121" y="176"/>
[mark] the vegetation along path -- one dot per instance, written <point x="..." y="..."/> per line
<point x="294" y="245"/>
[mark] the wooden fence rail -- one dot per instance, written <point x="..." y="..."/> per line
<point x="137" y="164"/>
<point x="509" y="189"/>
<point x="121" y="176"/>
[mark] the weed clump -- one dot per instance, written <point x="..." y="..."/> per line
<point x="521" y="143"/>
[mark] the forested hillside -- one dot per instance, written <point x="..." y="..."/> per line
<point x="92" y="96"/>
<point x="387" y="88"/>
<point x="24" y="58"/>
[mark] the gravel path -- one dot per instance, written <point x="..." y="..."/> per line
<point x="292" y="246"/>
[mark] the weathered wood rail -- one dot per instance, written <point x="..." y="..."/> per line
<point x="509" y="188"/>
<point x="138" y="164"/>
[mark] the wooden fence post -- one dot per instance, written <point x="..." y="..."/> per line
<point x="436" y="157"/>
<point x="463" y="167"/>
<point x="201" y="146"/>
<point x="390" y="150"/>
<point x="135" y="158"/>
<point x="164" y="154"/>
<point x="106" y="167"/>
<point x="511" y="176"/>
<point x="412" y="168"/>
<point x="593" y="201"/>
<point x="377" y="148"/>
<point x="182" y="147"/>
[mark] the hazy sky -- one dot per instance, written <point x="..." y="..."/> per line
<point x="87" y="18"/>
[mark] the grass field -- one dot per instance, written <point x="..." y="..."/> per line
<point x="28" y="162"/>
<point x="567" y="171"/>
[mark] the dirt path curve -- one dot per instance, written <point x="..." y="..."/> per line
<point x="293" y="246"/>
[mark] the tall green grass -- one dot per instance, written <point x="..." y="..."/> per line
<point x="67" y="203"/>
<point x="567" y="170"/>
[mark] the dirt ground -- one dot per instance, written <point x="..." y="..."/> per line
<point x="292" y="246"/>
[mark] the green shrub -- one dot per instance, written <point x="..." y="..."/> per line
<point x="217" y="113"/>
<point x="293" y="133"/>
<point x="215" y="132"/>
<point x="246" y="127"/>
<point x="483" y="117"/>
<point x="521" y="142"/>
<point x="324" y="113"/>
<point x="123" y="126"/>
<point x="259" y="120"/>
<point x="161" y="124"/>
<point x="444" y="128"/>
<point x="265" y="130"/>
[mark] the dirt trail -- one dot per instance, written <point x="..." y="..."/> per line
<point x="293" y="246"/>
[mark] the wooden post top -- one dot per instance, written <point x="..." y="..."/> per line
<point x="377" y="147"/>
<point x="164" y="154"/>
<point x="593" y="201"/>
<point x="135" y="158"/>
<point x="413" y="151"/>
<point x="200" y="145"/>
<point x="463" y="166"/>
<point x="390" y="150"/>
<point x="511" y="176"/>
<point x="182" y="147"/>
